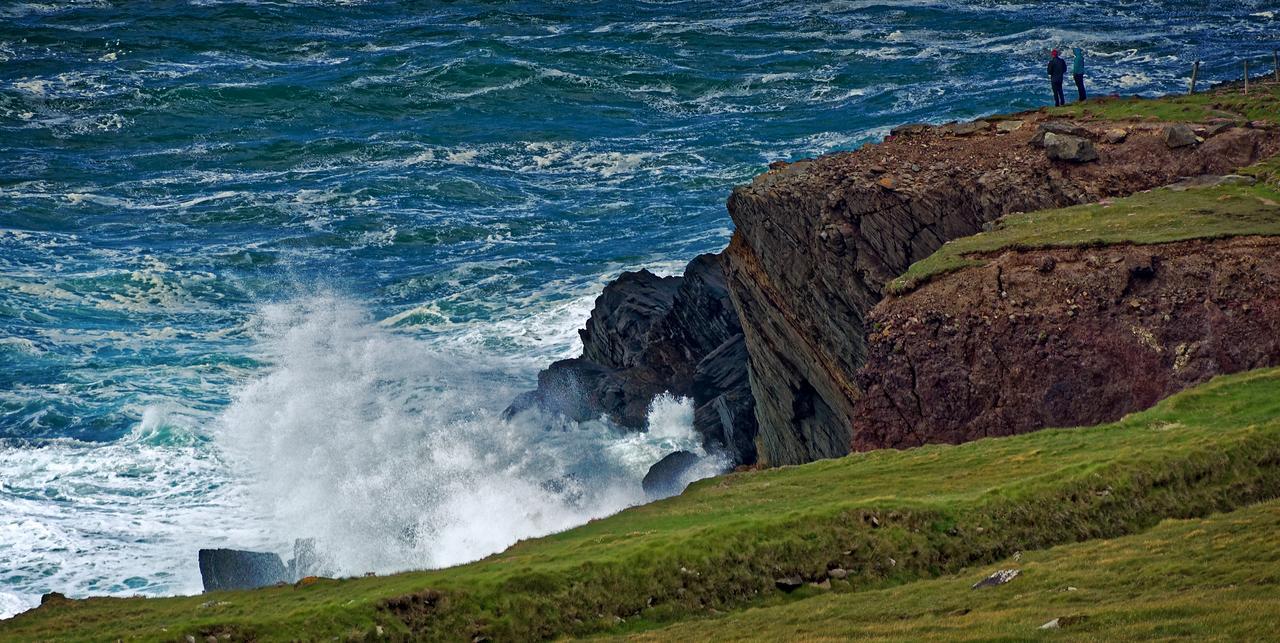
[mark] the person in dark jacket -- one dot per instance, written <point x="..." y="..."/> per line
<point x="1057" y="69"/>
<point x="1077" y="69"/>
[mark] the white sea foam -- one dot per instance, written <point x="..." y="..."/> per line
<point x="392" y="455"/>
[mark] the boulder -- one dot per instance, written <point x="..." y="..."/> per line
<point x="788" y="583"/>
<point x="1004" y="127"/>
<point x="667" y="476"/>
<point x="1073" y="149"/>
<point x="1179" y="135"/>
<point x="222" y="569"/>
<point x="1064" y="128"/>
<point x="968" y="129"/>
<point x="910" y="129"/>
<point x="1115" y="135"/>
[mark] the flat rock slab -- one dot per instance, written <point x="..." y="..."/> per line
<point x="999" y="577"/>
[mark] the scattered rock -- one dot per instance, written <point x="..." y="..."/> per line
<point x="1004" y="127"/>
<point x="667" y="476"/>
<point x="1046" y="264"/>
<point x="888" y="183"/>
<point x="910" y="129"/>
<point x="1115" y="135"/>
<point x="999" y="577"/>
<point x="1179" y="135"/>
<point x="211" y="604"/>
<point x="1210" y="180"/>
<point x="1218" y="128"/>
<point x="969" y="129"/>
<point x="1063" y="147"/>
<point x="236" y="569"/>
<point x="788" y="583"/>
<point x="838" y="573"/>
<point x="1064" y="621"/>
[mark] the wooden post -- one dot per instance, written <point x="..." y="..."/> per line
<point x="1246" y="77"/>
<point x="1275" y="63"/>
<point x="1195" y="71"/>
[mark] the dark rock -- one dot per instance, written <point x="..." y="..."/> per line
<point x="998" y="577"/>
<point x="222" y="569"/>
<point x="1179" y="135"/>
<point x="1061" y="147"/>
<point x="649" y="335"/>
<point x="667" y="476"/>
<point x="969" y="129"/>
<point x="53" y="598"/>
<point x="910" y="130"/>
<point x="1046" y="264"/>
<point x="788" y="583"/>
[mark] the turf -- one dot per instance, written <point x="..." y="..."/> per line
<point x="889" y="517"/>
<point x="1228" y="102"/>
<point x="1158" y="216"/>
<point x="1216" y="578"/>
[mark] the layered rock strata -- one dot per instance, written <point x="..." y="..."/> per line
<point x="816" y="242"/>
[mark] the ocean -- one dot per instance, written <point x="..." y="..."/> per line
<point x="272" y="270"/>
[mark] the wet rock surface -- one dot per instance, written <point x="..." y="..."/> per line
<point x="817" y="240"/>
<point x="1012" y="347"/>
<point x="667" y="476"/>
<point x="222" y="569"/>
<point x="648" y="335"/>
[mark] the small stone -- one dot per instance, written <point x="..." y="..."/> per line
<point x="1004" y="127"/>
<point x="875" y="522"/>
<point x="888" y="183"/>
<point x="877" y="169"/>
<point x="1046" y="264"/>
<point x="190" y="639"/>
<point x="1064" y="621"/>
<point x="999" y="577"/>
<point x="1179" y="135"/>
<point x="1115" y="135"/>
<point x="788" y="583"/>
<point x="825" y="584"/>
<point x="838" y="573"/>
<point x="1051" y="625"/>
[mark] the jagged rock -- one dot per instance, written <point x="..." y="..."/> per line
<point x="222" y="569"/>
<point x="788" y="583"/>
<point x="998" y="577"/>
<point x="648" y="335"/>
<point x="1115" y="135"/>
<point x="667" y="476"/>
<point x="1179" y="135"/>
<point x="1061" y="147"/>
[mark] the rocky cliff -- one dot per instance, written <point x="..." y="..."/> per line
<point x="816" y="241"/>
<point x="1065" y="337"/>
<point x="649" y="335"/>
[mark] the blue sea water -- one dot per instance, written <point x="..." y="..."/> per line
<point x="271" y="270"/>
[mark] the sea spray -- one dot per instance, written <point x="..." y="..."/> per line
<point x="391" y="453"/>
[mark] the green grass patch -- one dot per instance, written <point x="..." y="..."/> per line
<point x="1157" y="216"/>
<point x="889" y="517"/>
<point x="1227" y="102"/>
<point x="1216" y="578"/>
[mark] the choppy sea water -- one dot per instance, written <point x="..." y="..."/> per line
<point x="272" y="270"/>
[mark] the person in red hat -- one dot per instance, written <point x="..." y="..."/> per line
<point x="1057" y="70"/>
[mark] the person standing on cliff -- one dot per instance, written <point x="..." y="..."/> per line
<point x="1057" y="69"/>
<point x="1077" y="69"/>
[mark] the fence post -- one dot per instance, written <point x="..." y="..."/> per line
<point x="1195" y="71"/>
<point x="1246" y="77"/>
<point x="1275" y="63"/>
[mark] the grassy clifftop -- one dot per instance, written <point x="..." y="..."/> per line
<point x="885" y="517"/>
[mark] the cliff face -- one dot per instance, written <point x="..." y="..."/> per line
<point x="649" y="335"/>
<point x="816" y="242"/>
<point x="1065" y="337"/>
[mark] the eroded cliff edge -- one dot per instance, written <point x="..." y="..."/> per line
<point x="817" y="241"/>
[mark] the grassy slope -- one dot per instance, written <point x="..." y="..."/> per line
<point x="1212" y="579"/>
<point x="1224" y="102"/>
<point x="939" y="510"/>
<point x="1158" y="216"/>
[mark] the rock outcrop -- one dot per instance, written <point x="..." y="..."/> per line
<point x="1065" y="337"/>
<point x="222" y="569"/>
<point x="649" y="335"/>
<point x="816" y="241"/>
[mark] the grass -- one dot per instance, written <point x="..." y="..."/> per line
<point x="1216" y="578"/>
<point x="1157" y="216"/>
<point x="1225" y="102"/>
<point x="889" y="517"/>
